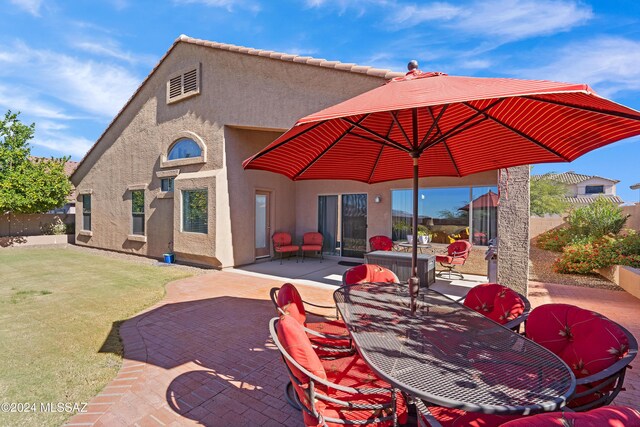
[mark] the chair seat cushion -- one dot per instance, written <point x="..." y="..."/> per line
<point x="332" y="327"/>
<point x="583" y="339"/>
<point x="290" y="248"/>
<point x="609" y="416"/>
<point x="311" y="247"/>
<point x="352" y="371"/>
<point x="449" y="417"/>
<point x="495" y="301"/>
<point x="446" y="259"/>
<point x="369" y="273"/>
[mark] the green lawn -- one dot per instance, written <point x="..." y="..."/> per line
<point x="57" y="307"/>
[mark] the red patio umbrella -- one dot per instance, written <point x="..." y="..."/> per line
<point x="432" y="124"/>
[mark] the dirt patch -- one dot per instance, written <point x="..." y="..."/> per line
<point x="541" y="270"/>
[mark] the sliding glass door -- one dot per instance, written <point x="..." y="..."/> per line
<point x="342" y="220"/>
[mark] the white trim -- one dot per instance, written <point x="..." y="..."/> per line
<point x="137" y="238"/>
<point x="85" y="192"/>
<point x="85" y="233"/>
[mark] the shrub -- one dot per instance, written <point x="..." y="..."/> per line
<point x="554" y="240"/>
<point x="598" y="219"/>
<point x="56" y="226"/>
<point x="585" y="257"/>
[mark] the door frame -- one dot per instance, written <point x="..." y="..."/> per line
<point x="267" y="251"/>
<point x="340" y="219"/>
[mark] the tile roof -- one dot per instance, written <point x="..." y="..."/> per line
<point x="570" y="177"/>
<point x="585" y="200"/>
<point x="354" y="68"/>
<point x="308" y="60"/>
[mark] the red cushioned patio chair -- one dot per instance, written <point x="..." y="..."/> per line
<point x="610" y="416"/>
<point x="380" y="243"/>
<point x="499" y="303"/>
<point x="334" y="392"/>
<point x="329" y="338"/>
<point x="597" y="349"/>
<point x="457" y="254"/>
<point x="282" y="244"/>
<point x="366" y="273"/>
<point x="312" y="242"/>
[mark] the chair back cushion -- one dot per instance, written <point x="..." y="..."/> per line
<point x="609" y="416"/>
<point x="459" y="249"/>
<point x="281" y="238"/>
<point x="380" y="243"/>
<point x="312" y="238"/>
<point x="369" y="273"/>
<point x="290" y="301"/>
<point x="495" y="301"/>
<point x="296" y="343"/>
<point x="587" y="341"/>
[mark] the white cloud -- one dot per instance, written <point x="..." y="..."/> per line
<point x="23" y="100"/>
<point x="507" y="19"/>
<point x="608" y="64"/>
<point x="63" y="143"/>
<point x="111" y="49"/>
<point x="30" y="6"/>
<point x="229" y="5"/>
<point x="476" y="64"/>
<point x="99" y="88"/>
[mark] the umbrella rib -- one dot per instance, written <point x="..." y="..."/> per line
<point x="390" y="142"/>
<point x="373" y="169"/>
<point x="592" y="110"/>
<point x="457" y="129"/>
<point x="433" y="125"/>
<point x="323" y="152"/>
<point x="444" y="142"/>
<point x="519" y="132"/>
<point x="270" y="149"/>
<point x="404" y="133"/>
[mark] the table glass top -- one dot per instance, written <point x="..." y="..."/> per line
<point x="450" y="355"/>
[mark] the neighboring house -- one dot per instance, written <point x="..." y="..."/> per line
<point x="167" y="172"/>
<point x="584" y="189"/>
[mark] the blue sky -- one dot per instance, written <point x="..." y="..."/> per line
<point x="69" y="66"/>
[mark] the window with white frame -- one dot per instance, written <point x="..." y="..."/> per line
<point x="86" y="212"/>
<point x="184" y="148"/>
<point x="166" y="184"/>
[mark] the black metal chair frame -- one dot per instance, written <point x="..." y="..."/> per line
<point x="313" y="393"/>
<point x="614" y="374"/>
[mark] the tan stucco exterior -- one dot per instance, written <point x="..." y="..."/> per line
<point x="245" y="102"/>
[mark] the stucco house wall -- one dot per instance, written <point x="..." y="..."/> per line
<point x="246" y="100"/>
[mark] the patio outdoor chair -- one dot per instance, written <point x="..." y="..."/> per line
<point x="380" y="243"/>
<point x="368" y="273"/>
<point x="282" y="244"/>
<point x="312" y="242"/>
<point x="499" y="303"/>
<point x="330" y="338"/>
<point x="597" y="350"/>
<point x="457" y="254"/>
<point x="612" y="416"/>
<point x="334" y="392"/>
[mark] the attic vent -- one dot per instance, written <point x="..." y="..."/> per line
<point x="184" y="84"/>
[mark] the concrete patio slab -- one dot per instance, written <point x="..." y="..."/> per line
<point x="203" y="355"/>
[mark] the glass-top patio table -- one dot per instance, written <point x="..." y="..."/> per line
<point x="449" y="355"/>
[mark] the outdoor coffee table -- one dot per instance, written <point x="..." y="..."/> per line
<point x="449" y="355"/>
<point x="407" y="246"/>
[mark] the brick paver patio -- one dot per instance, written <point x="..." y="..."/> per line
<point x="203" y="355"/>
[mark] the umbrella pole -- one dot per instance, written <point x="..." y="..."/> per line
<point x="414" y="281"/>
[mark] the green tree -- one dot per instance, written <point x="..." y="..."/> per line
<point x="547" y="197"/>
<point x="27" y="184"/>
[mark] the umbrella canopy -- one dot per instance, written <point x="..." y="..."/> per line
<point x="432" y="124"/>
<point x="457" y="125"/>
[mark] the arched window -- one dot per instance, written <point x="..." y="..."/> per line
<point x="184" y="149"/>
